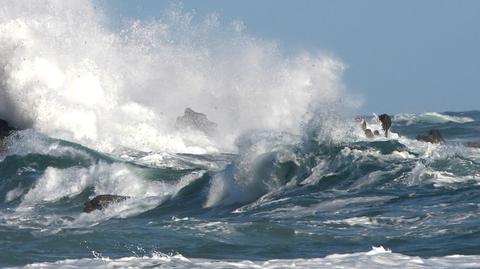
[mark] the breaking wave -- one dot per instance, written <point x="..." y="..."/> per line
<point x="65" y="73"/>
<point x="288" y="179"/>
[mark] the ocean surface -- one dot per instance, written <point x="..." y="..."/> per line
<point x="386" y="202"/>
<point x="275" y="173"/>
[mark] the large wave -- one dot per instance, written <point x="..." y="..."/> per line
<point x="65" y="73"/>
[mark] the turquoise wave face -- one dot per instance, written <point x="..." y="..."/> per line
<point x="280" y="197"/>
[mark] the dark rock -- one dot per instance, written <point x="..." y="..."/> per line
<point x="197" y="121"/>
<point x="102" y="201"/>
<point x="386" y="123"/>
<point x="376" y="133"/>
<point x="5" y="128"/>
<point x="368" y="133"/>
<point x="433" y="136"/>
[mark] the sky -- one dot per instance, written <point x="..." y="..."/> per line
<point x="401" y="56"/>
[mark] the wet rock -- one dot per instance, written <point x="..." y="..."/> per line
<point x="5" y="128"/>
<point x="196" y="121"/>
<point x="368" y="133"/>
<point x="386" y="123"/>
<point x="433" y="136"/>
<point x="102" y="201"/>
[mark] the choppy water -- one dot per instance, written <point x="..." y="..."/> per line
<point x="281" y="200"/>
<point x="287" y="179"/>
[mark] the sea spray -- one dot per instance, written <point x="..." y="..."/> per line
<point x="304" y="187"/>
<point x="68" y="75"/>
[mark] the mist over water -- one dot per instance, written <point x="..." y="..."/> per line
<point x="68" y="75"/>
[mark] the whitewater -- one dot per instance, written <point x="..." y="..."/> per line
<point x="287" y="179"/>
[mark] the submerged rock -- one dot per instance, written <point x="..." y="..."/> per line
<point x="196" y="121"/>
<point x="102" y="201"/>
<point x="433" y="136"/>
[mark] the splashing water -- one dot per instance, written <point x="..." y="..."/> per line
<point x="288" y="179"/>
<point x="68" y="75"/>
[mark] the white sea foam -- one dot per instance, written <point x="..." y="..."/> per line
<point x="378" y="257"/>
<point x="30" y="142"/>
<point x="430" y="117"/>
<point x="333" y="205"/>
<point x="14" y="193"/>
<point x="66" y="74"/>
<point x="117" y="178"/>
<point x="422" y="174"/>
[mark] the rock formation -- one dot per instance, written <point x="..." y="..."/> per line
<point x="5" y="128"/>
<point x="102" y="201"/>
<point x="197" y="121"/>
<point x="386" y="123"/>
<point x="433" y="136"/>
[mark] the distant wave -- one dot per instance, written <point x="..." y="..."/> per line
<point x="430" y="117"/>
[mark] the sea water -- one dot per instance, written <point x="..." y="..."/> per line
<point x="288" y="180"/>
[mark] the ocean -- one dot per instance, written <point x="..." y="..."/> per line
<point x="359" y="204"/>
<point x="267" y="169"/>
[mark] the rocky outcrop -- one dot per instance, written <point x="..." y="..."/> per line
<point x="433" y="136"/>
<point x="368" y="133"/>
<point x="386" y="123"/>
<point x="5" y="128"/>
<point x="102" y="201"/>
<point x="197" y="121"/>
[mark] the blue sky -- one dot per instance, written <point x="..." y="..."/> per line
<point x="402" y="56"/>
